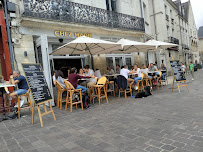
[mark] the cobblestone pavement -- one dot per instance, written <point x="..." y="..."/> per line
<point x="163" y="122"/>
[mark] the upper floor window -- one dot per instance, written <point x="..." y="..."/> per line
<point x="111" y="5"/>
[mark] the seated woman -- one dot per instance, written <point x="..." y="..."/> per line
<point x="145" y="70"/>
<point x="138" y="71"/>
<point x="58" y="76"/>
<point x="163" y="73"/>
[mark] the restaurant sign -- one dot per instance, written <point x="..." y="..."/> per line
<point x="71" y="34"/>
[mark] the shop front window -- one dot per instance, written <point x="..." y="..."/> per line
<point x="109" y="62"/>
<point x="119" y="61"/>
<point x="128" y="61"/>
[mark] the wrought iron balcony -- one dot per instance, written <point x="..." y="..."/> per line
<point x="174" y="40"/>
<point x="64" y="10"/>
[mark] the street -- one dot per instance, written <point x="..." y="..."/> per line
<point x="162" y="122"/>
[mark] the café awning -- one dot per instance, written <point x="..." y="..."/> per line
<point x="88" y="46"/>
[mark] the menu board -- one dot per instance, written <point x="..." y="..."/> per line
<point x="177" y="70"/>
<point x="37" y="82"/>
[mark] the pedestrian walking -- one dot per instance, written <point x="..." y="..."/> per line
<point x="192" y="70"/>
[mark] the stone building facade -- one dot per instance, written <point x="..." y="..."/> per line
<point x="39" y="27"/>
<point x="200" y="36"/>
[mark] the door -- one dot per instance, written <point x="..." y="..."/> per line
<point x="42" y="57"/>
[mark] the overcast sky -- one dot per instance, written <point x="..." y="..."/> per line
<point x="197" y="7"/>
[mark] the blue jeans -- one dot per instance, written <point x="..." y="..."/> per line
<point x="149" y="77"/>
<point x="138" y="78"/>
<point x="81" y="87"/>
<point x="163" y="76"/>
<point x="20" y="91"/>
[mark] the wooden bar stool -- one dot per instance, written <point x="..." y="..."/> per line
<point x="140" y="84"/>
<point x="158" y="81"/>
<point x="101" y="84"/>
<point x="69" y="99"/>
<point x="29" y="106"/>
<point x="60" y="91"/>
<point x="147" y="81"/>
<point x="108" y="88"/>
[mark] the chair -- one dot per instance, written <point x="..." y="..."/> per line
<point x="69" y="99"/>
<point x="113" y="87"/>
<point x="140" y="84"/>
<point x="60" y="91"/>
<point x="158" y="80"/>
<point x="147" y="81"/>
<point x="101" y="84"/>
<point x="122" y="86"/>
<point x="29" y="106"/>
<point x="165" y="79"/>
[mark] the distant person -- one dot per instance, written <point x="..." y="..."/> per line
<point x="110" y="71"/>
<point x="183" y="68"/>
<point x="163" y="73"/>
<point x="57" y="76"/>
<point x="192" y="70"/>
<point x="118" y="68"/>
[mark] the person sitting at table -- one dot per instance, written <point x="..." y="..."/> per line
<point x="90" y="72"/>
<point x="118" y="68"/>
<point x="110" y="71"/>
<point x="163" y="68"/>
<point x="81" y="72"/>
<point x="58" y="77"/>
<point x="138" y="71"/>
<point x="97" y="74"/>
<point x="73" y="79"/>
<point x="124" y="72"/>
<point x="153" y="68"/>
<point x="17" y="78"/>
<point x="145" y="70"/>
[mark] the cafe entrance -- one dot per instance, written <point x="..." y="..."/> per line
<point x="65" y="64"/>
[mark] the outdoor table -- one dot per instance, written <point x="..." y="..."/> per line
<point x="2" y="86"/>
<point x="152" y="73"/>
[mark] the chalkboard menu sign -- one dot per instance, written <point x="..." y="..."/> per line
<point x="37" y="82"/>
<point x="177" y="70"/>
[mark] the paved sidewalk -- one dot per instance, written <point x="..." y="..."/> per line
<point x="164" y="122"/>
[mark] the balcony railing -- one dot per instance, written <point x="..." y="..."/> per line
<point x="63" y="10"/>
<point x="174" y="40"/>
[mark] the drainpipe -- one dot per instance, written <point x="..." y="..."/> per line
<point x="141" y="8"/>
<point x="155" y="28"/>
<point x="9" y="36"/>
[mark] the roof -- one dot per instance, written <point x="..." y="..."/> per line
<point x="200" y="32"/>
<point x="184" y="8"/>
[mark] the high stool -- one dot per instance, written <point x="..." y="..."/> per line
<point x="113" y="87"/>
<point x="60" y="90"/>
<point x="140" y="84"/>
<point x="29" y="106"/>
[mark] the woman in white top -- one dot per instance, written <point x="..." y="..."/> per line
<point x="138" y="71"/>
<point x="145" y="70"/>
<point x="57" y="76"/>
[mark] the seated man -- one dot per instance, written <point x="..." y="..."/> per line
<point x="73" y="79"/>
<point x="138" y="71"/>
<point x="90" y="72"/>
<point x="124" y="72"/>
<point x="154" y="68"/>
<point x="16" y="78"/>
<point x="110" y="71"/>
